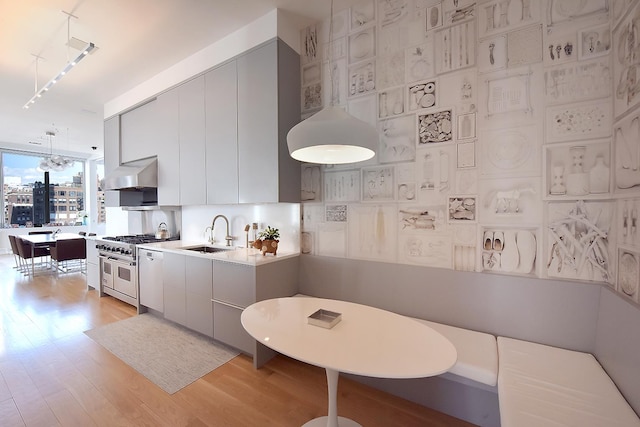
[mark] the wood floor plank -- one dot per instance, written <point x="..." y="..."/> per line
<point x="52" y="374"/>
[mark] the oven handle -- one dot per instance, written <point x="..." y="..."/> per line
<point x="118" y="260"/>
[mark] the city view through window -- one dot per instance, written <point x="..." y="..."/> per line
<point x="26" y="196"/>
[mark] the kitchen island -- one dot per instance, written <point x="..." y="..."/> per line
<point x="207" y="291"/>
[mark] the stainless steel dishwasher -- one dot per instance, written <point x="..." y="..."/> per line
<point x="150" y="279"/>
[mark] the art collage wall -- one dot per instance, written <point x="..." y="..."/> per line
<point x="509" y="136"/>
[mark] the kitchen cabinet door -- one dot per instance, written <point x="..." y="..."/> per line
<point x="221" y="101"/>
<point x="268" y="106"/>
<point x="111" y="156"/>
<point x="199" y="282"/>
<point x="193" y="184"/>
<point x="167" y="148"/>
<point x="93" y="265"/>
<point x="138" y="132"/>
<point x="175" y="305"/>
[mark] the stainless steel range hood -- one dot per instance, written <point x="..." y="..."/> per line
<point x="137" y="175"/>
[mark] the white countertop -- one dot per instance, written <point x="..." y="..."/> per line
<point x="238" y="255"/>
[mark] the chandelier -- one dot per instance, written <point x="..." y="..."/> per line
<point x="54" y="162"/>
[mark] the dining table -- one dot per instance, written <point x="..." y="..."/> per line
<point x="45" y="240"/>
<point x="356" y="339"/>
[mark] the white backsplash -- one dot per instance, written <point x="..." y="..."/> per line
<point x="283" y="216"/>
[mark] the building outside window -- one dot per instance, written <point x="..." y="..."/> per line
<point x="26" y="197"/>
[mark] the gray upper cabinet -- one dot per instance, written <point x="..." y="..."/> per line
<point x="138" y="132"/>
<point x="167" y="147"/>
<point x="221" y="100"/>
<point x="268" y="106"/>
<point x="193" y="184"/>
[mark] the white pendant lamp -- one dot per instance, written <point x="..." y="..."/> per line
<point x="332" y="136"/>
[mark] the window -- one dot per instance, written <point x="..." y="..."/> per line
<point x="28" y="201"/>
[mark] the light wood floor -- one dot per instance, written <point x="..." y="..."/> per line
<point x="51" y="374"/>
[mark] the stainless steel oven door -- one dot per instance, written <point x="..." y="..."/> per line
<point x="119" y="275"/>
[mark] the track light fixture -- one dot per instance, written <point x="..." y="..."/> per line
<point x="86" y="50"/>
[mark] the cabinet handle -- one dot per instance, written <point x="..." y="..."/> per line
<point x="228" y="304"/>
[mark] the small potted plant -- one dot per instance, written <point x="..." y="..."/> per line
<point x="267" y="241"/>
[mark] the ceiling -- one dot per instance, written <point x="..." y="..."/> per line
<point x="136" y="40"/>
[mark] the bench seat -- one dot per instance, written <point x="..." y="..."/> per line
<point x="477" y="353"/>
<point x="539" y="385"/>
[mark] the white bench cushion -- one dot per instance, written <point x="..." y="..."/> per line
<point x="477" y="352"/>
<point x="539" y="385"/>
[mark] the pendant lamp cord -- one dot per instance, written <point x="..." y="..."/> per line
<point x="331" y="97"/>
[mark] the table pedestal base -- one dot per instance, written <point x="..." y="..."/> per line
<point x="324" y="422"/>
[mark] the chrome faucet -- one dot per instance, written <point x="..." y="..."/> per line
<point x="228" y="237"/>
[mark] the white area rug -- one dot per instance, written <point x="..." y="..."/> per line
<point x="169" y="355"/>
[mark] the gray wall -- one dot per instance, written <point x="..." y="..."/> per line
<point x="617" y="346"/>
<point x="558" y="313"/>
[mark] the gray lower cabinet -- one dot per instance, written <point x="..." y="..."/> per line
<point x="235" y="287"/>
<point x="188" y="291"/>
<point x="93" y="265"/>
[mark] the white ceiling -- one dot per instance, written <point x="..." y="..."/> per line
<point x="136" y="40"/>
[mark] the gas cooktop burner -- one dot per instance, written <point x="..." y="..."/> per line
<point x="138" y="239"/>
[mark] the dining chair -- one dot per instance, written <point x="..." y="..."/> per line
<point x="69" y="250"/>
<point x="24" y="250"/>
<point x="16" y="253"/>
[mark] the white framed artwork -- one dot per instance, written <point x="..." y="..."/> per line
<point x="626" y="84"/>
<point x="456" y="11"/>
<point x="363" y="14"/>
<point x="510" y="201"/>
<point x="406" y="182"/>
<point x="397" y="140"/>
<point x="362" y="45"/>
<point x="362" y="78"/>
<point x="311" y="73"/>
<point x="499" y="16"/>
<point x="435" y="127"/>
<point x="421" y="218"/>
<point x="560" y="45"/>
<point x="524" y="46"/>
<point x="390" y="102"/>
<point x="462" y="209"/>
<point x="429" y="249"/>
<point x="434" y="17"/>
<point x="309" y="45"/>
<point x="593" y="42"/>
<point x="335" y="93"/>
<point x="568" y="223"/>
<point x="510" y="152"/>
<point x="311" y="97"/>
<point x="628" y="224"/>
<point x="466" y="126"/>
<point x="378" y="184"/>
<point x="456" y="47"/>
<point x="393" y="12"/>
<point x="420" y="63"/>
<point x="363" y="108"/>
<point x="390" y="70"/>
<point x="335" y="213"/>
<point x="462" y="90"/>
<point x="577" y="81"/>
<point x="466" y="181"/>
<point x="372" y="232"/>
<point x="510" y="250"/>
<point x="466" y="155"/>
<point x="435" y="171"/>
<point x="562" y="10"/>
<point x="511" y="93"/>
<point x="312" y="214"/>
<point x="307" y="242"/>
<point x="628" y="270"/>
<point x="626" y="137"/>
<point x="422" y="94"/>
<point x="335" y="49"/>
<point x="342" y="186"/>
<point x="311" y="183"/>
<point x="586" y="120"/>
<point x="492" y="54"/>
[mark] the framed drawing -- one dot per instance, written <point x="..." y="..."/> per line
<point x="467" y="126"/>
<point x="309" y="44"/>
<point x="420" y="61"/>
<point x="390" y="102"/>
<point x="577" y="81"/>
<point x="363" y="14"/>
<point x="462" y="209"/>
<point x="466" y="155"/>
<point x="311" y="73"/>
<point x="507" y="94"/>
<point x="311" y="183"/>
<point x="499" y="16"/>
<point x="626" y="136"/>
<point x="362" y="78"/>
<point x="524" y="46"/>
<point x="435" y="127"/>
<point x="626" y="84"/>
<point x="492" y="54"/>
<point x="585" y="120"/>
<point x="628" y="273"/>
<point x="594" y="42"/>
<point x="390" y="70"/>
<point x="434" y="17"/>
<point x="562" y="10"/>
<point x="336" y="213"/>
<point x="363" y="108"/>
<point x="372" y="232"/>
<point x="510" y="152"/>
<point x="342" y="186"/>
<point x="335" y="49"/>
<point x="428" y="249"/>
<point x="421" y="95"/>
<point x="377" y="184"/>
<point x="397" y="139"/>
<point x="362" y="45"/>
<point x="335" y="93"/>
<point x="456" y="47"/>
<point x="311" y="97"/>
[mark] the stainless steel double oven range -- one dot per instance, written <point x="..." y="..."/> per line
<point x="119" y="267"/>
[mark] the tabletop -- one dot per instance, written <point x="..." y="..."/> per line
<point x="367" y="341"/>
<point x="49" y="238"/>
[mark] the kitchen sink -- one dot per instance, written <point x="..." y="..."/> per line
<point x="206" y="249"/>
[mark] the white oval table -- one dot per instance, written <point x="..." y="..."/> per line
<point x="367" y="341"/>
